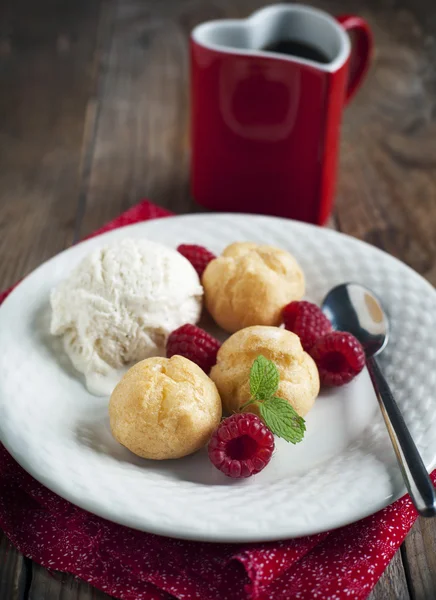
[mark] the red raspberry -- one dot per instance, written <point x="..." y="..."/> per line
<point x="198" y="256"/>
<point x="306" y="320"/>
<point x="194" y="343"/>
<point x="339" y="358"/>
<point x="241" y="446"/>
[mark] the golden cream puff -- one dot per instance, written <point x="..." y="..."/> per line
<point x="164" y="408"/>
<point x="250" y="284"/>
<point x="299" y="380"/>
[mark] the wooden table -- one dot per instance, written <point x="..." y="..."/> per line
<point x="94" y="116"/>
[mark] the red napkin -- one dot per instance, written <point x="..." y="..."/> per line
<point x="345" y="563"/>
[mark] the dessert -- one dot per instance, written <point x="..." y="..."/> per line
<point x="120" y="304"/>
<point x="339" y="357"/>
<point x="164" y="408"/>
<point x="135" y="300"/>
<point x="198" y="256"/>
<point x="250" y="284"/>
<point x="194" y="343"/>
<point x="299" y="380"/>
<point x="306" y="320"/>
<point x="241" y="446"/>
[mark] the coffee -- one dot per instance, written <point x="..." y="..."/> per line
<point x="298" y="49"/>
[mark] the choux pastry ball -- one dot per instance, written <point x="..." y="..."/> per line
<point x="299" y="380"/>
<point x="164" y="408"/>
<point x="249" y="284"/>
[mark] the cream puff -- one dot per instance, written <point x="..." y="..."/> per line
<point x="164" y="408"/>
<point x="250" y="284"/>
<point x="299" y="380"/>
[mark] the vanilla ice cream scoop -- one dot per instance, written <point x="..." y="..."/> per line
<point x="119" y="305"/>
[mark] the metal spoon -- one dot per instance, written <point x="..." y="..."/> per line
<point x="354" y="308"/>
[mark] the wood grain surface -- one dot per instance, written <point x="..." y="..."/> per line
<point x="94" y="115"/>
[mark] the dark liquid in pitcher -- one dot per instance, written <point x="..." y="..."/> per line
<point x="299" y="49"/>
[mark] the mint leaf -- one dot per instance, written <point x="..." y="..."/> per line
<point x="264" y="378"/>
<point x="277" y="413"/>
<point x="283" y="420"/>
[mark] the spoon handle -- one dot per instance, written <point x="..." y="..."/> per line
<point x="416" y="478"/>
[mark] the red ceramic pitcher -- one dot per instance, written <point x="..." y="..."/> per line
<point x="265" y="125"/>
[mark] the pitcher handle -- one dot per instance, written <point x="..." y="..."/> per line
<point x="361" y="51"/>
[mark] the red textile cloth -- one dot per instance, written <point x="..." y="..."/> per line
<point x="131" y="565"/>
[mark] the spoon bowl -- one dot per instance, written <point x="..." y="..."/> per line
<point x="354" y="308"/>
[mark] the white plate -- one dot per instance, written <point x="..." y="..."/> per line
<point x="342" y="471"/>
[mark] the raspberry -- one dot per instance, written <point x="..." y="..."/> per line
<point x="339" y="358"/>
<point x="307" y="321"/>
<point x="198" y="256"/>
<point x="241" y="446"/>
<point x="194" y="343"/>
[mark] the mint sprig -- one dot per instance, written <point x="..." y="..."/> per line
<point x="277" y="413"/>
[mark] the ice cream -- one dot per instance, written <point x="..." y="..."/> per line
<point x="119" y="305"/>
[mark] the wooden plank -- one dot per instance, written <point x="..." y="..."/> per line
<point x="60" y="586"/>
<point x="419" y="554"/>
<point x="141" y="141"/>
<point x="47" y="73"/>
<point x="387" y="182"/>
<point x="13" y="571"/>
<point x="392" y="584"/>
